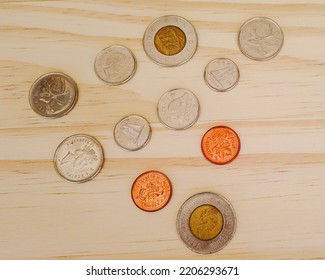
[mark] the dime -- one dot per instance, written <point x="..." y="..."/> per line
<point x="151" y="191"/>
<point x="206" y="222"/>
<point x="170" y="41"/>
<point x="53" y="95"/>
<point x="115" y="65"/>
<point x="221" y="74"/>
<point x="260" y="38"/>
<point x="178" y="108"/>
<point x="78" y="158"/>
<point x="220" y="145"/>
<point x="132" y="132"/>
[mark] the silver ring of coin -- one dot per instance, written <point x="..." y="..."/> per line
<point x="78" y="158"/>
<point x="260" y="38"/>
<point x="221" y="74"/>
<point x="178" y="109"/>
<point x="115" y="65"/>
<point x="53" y="95"/>
<point x="132" y="132"/>
<point x="170" y="41"/>
<point x="197" y="237"/>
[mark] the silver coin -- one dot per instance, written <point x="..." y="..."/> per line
<point x="170" y="41"/>
<point x="221" y="74"/>
<point x="78" y="158"/>
<point x="132" y="132"/>
<point x="115" y="65"/>
<point x="53" y="95"/>
<point x="206" y="222"/>
<point x="260" y="38"/>
<point x="178" y="108"/>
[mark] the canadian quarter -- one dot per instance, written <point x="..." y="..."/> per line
<point x="178" y="109"/>
<point x="260" y="38"/>
<point x="206" y="222"/>
<point x="170" y="41"/>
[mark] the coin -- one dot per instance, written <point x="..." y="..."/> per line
<point x="206" y="222"/>
<point x="178" y="108"/>
<point x="53" y="95"/>
<point x="78" y="158"/>
<point x="132" y="132"/>
<point x="221" y="74"/>
<point x="151" y="191"/>
<point x="170" y="41"/>
<point x="220" y="145"/>
<point x="260" y="38"/>
<point x="115" y="65"/>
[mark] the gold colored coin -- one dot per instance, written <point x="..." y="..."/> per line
<point x="206" y="222"/>
<point x="170" y="40"/>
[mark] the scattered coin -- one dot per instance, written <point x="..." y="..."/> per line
<point x="260" y="38"/>
<point x="206" y="222"/>
<point x="170" y="41"/>
<point x="78" y="158"/>
<point x="178" y="108"/>
<point x="115" y="65"/>
<point x="151" y="191"/>
<point x="53" y="95"/>
<point x="221" y="74"/>
<point x="220" y="145"/>
<point x="132" y="132"/>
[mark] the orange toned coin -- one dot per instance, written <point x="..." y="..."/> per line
<point x="220" y="145"/>
<point x="151" y="191"/>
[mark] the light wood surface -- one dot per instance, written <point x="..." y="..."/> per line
<point x="276" y="184"/>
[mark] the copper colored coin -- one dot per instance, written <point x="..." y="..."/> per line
<point x="220" y="145"/>
<point x="151" y="191"/>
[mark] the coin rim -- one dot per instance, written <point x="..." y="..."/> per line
<point x="183" y="216"/>
<point x="185" y="127"/>
<point x="63" y="142"/>
<point x="69" y="108"/>
<point x="126" y="79"/>
<point x="221" y="126"/>
<point x="252" y="57"/>
<point x="227" y="89"/>
<point x="169" y="183"/>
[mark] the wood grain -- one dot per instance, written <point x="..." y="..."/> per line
<point x="276" y="184"/>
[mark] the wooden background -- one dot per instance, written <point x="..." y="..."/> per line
<point x="276" y="184"/>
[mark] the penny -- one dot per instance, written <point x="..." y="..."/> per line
<point x="178" y="109"/>
<point x="115" y="65"/>
<point x="53" y="95"/>
<point x="170" y="41"/>
<point x="220" y="145"/>
<point x="221" y="74"/>
<point x="132" y="132"/>
<point x="260" y="38"/>
<point x="151" y="191"/>
<point x="78" y="158"/>
<point x="206" y="222"/>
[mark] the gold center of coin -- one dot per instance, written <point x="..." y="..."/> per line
<point x="206" y="222"/>
<point x="170" y="40"/>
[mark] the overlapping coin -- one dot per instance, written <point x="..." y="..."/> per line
<point x="53" y="95"/>
<point x="178" y="109"/>
<point x="221" y="74"/>
<point x="260" y="38"/>
<point x="132" y="132"/>
<point x="115" y="65"/>
<point x="151" y="191"/>
<point x="170" y="41"/>
<point x="79" y="158"/>
<point x="206" y="222"/>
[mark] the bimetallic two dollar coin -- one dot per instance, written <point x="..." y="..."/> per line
<point x="170" y="41"/>
<point x="53" y="95"/>
<point x="206" y="222"/>
<point x="115" y="65"/>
